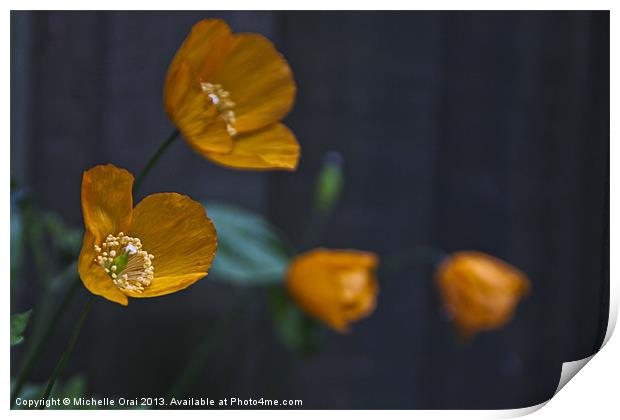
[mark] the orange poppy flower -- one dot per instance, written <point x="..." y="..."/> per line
<point x="334" y="286"/>
<point x="164" y="244"/>
<point x="481" y="292"/>
<point x="227" y="92"/>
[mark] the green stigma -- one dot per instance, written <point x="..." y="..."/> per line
<point x="120" y="262"/>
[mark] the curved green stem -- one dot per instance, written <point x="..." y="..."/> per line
<point x="67" y="353"/>
<point x="149" y="165"/>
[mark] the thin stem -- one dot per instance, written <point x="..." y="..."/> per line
<point x="33" y="355"/>
<point x="67" y="353"/>
<point x="149" y="165"/>
<point x="199" y="359"/>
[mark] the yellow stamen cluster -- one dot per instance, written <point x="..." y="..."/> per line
<point x="221" y="100"/>
<point x="138" y="271"/>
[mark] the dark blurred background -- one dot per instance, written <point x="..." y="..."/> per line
<point x="464" y="130"/>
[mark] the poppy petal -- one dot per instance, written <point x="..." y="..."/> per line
<point x="358" y="293"/>
<point x="106" y="200"/>
<point x="259" y="80"/>
<point x="194" y="114"/>
<point x="335" y="286"/>
<point x="165" y="285"/>
<point x="183" y="240"/>
<point x="205" y="48"/>
<point x="347" y="258"/>
<point x="312" y="285"/>
<point x="274" y="147"/>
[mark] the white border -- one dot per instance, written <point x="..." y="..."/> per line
<point x="595" y="390"/>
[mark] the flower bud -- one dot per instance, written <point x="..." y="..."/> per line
<point x="329" y="183"/>
<point x="479" y="292"/>
<point x="334" y="286"/>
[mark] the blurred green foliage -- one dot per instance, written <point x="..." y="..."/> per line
<point x="250" y="250"/>
<point x="33" y="228"/>
<point x="67" y="241"/>
<point x="297" y="331"/>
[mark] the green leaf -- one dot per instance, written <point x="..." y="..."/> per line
<point x="297" y="331"/>
<point x="19" y="322"/>
<point x="250" y="250"/>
